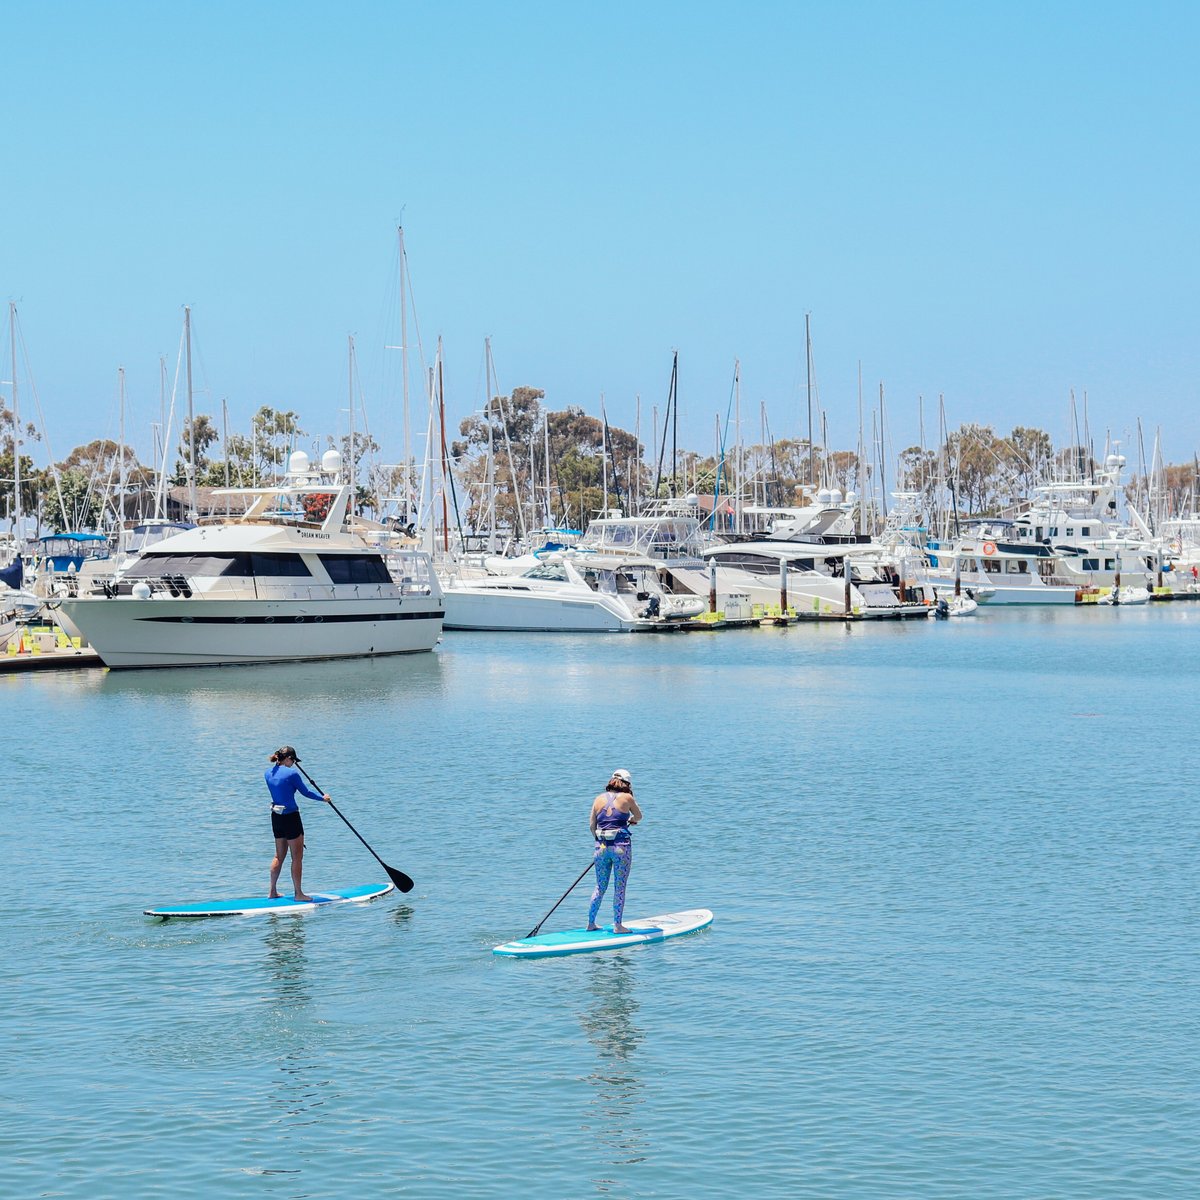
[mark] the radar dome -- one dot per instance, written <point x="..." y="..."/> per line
<point x="331" y="462"/>
<point x="297" y="463"/>
<point x="692" y="500"/>
<point x="835" y="496"/>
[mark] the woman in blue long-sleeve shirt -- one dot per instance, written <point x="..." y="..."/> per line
<point x="284" y="781"/>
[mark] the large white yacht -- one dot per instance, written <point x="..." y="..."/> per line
<point x="291" y="579"/>
<point x="568" y="591"/>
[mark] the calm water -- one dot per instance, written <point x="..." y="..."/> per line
<point x="953" y="868"/>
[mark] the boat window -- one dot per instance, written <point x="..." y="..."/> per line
<point x="1022" y="565"/>
<point x="552" y="571"/>
<point x="1110" y="564"/>
<point x="355" y="568"/>
<point x="151" y="566"/>
<point x="1091" y="564"/>
<point x="267" y="565"/>
<point x="991" y="566"/>
<point x="1086" y="531"/>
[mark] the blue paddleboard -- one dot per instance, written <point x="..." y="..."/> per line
<point x="584" y="941"/>
<point x="260" y="904"/>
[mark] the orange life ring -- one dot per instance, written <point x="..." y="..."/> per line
<point x="989" y="547"/>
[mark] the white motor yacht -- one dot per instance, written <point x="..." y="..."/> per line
<point x="569" y="592"/>
<point x="288" y="580"/>
<point x="815" y="579"/>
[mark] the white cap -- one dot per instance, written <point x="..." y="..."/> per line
<point x="623" y="775"/>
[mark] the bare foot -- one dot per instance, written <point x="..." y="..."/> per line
<point x="302" y="896"/>
<point x="621" y="929"/>
<point x="592" y="928"/>
<point x="272" y="895"/>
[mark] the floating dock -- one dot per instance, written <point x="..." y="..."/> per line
<point x="43" y="648"/>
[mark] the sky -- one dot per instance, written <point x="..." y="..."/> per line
<point x="994" y="204"/>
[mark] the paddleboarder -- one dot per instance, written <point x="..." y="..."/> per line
<point x="284" y="781"/>
<point x="613" y="812"/>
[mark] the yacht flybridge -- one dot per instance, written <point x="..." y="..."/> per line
<point x="293" y="578"/>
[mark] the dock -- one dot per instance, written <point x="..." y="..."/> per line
<point x="43" y="648"/>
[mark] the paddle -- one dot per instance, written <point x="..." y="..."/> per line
<point x="402" y="881"/>
<point x="533" y="932"/>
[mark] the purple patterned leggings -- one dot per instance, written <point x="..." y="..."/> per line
<point x="608" y="856"/>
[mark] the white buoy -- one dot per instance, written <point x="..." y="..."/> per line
<point x="141" y="590"/>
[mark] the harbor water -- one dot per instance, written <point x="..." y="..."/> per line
<point x="953" y="867"/>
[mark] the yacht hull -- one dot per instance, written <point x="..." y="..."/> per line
<point x="525" y="612"/>
<point x="133" y="633"/>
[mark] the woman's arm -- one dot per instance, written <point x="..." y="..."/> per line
<point x="635" y="813"/>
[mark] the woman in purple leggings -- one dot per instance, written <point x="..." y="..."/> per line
<point x="613" y="812"/>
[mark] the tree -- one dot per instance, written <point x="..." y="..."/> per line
<point x="1030" y="452"/>
<point x="205" y="433"/>
<point x="918" y="468"/>
<point x="974" y="456"/>
<point x="29" y="474"/>
<point x="72" y="505"/>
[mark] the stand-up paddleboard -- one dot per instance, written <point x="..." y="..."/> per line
<point x="584" y="941"/>
<point x="261" y="904"/>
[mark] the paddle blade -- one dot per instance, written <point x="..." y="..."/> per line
<point x="403" y="882"/>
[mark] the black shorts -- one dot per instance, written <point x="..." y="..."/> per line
<point x="287" y="825"/>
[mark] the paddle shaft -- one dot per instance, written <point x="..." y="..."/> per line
<point x="533" y="932"/>
<point x="402" y="881"/>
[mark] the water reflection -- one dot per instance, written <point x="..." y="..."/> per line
<point x="286" y="962"/>
<point x="611" y="1026"/>
<point x="301" y="1088"/>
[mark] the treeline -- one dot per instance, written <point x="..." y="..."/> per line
<point x="519" y="464"/>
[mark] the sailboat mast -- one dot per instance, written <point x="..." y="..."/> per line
<point x="675" y="426"/>
<point x="404" y="368"/>
<point x="352" y="473"/>
<point x="194" y="508"/>
<point x="441" y="396"/>
<point x="121" y="450"/>
<point x="812" y="462"/>
<point x="546" y="438"/>
<point x="16" y="413"/>
<point x="604" y="456"/>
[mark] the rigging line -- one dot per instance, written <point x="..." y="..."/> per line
<point x="512" y="462"/>
<point x="719" y="473"/>
<point x="54" y="472"/>
<point x="160" y="503"/>
<point x="666" y="417"/>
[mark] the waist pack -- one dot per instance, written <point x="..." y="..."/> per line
<point x="610" y="835"/>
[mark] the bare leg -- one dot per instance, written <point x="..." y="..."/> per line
<point x="296" y="846"/>
<point x="281" y="849"/>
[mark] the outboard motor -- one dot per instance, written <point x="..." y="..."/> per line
<point x="653" y="606"/>
<point x="942" y="611"/>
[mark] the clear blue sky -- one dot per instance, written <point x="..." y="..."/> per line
<point x="997" y="202"/>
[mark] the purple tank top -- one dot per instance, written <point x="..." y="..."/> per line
<point x="613" y="821"/>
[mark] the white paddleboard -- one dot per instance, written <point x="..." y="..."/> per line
<point x="584" y="941"/>
<point x="261" y="904"/>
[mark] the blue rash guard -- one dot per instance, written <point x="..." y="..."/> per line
<point x="284" y="783"/>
